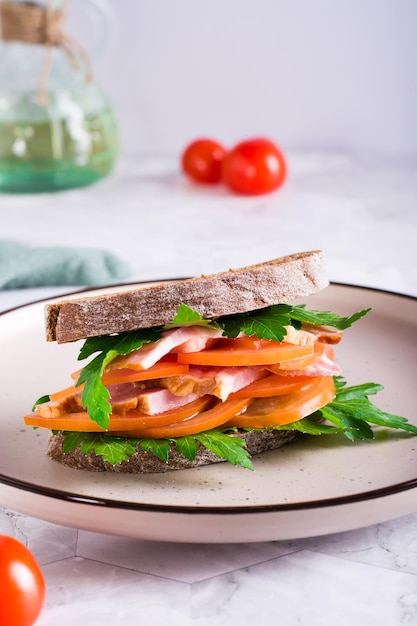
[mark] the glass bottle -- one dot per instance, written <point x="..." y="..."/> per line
<point x="57" y="127"/>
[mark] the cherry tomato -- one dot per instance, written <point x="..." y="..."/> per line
<point x="202" y="160"/>
<point x="22" y="585"/>
<point x="254" y="167"/>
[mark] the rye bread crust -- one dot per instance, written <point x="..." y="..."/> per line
<point x="146" y="463"/>
<point x="235" y="291"/>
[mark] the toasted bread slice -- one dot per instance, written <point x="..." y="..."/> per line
<point x="235" y="291"/>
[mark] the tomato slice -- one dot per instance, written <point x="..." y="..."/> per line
<point x="207" y="420"/>
<point x="161" y="369"/>
<point x="273" y="385"/>
<point x="281" y="410"/>
<point x="65" y="393"/>
<point x="242" y="343"/>
<point x="114" y="374"/>
<point x="133" y="420"/>
<point x="267" y="353"/>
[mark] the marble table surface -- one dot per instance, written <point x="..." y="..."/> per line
<point x="363" y="213"/>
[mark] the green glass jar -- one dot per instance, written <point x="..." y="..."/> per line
<point x="53" y="136"/>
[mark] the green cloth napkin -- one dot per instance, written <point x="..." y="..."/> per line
<point x="24" y="266"/>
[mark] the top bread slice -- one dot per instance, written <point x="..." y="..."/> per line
<point x="235" y="291"/>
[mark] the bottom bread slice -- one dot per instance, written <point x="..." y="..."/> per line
<point x="146" y="462"/>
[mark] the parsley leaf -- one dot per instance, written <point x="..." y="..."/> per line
<point x="325" y="318"/>
<point x="186" y="316"/>
<point x="123" y="343"/>
<point x="158" y="447"/>
<point x="228" y="447"/>
<point x="187" y="446"/>
<point x="71" y="440"/>
<point x="352" y="410"/>
<point x="267" y="323"/>
<point x="119" y="450"/>
<point x="114" y="450"/>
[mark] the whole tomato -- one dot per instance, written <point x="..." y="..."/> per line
<point x="202" y="160"/>
<point x="254" y="167"/>
<point x="22" y="585"/>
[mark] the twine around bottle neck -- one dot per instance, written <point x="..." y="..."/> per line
<point x="34" y="24"/>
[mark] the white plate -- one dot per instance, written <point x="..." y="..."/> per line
<point x="317" y="486"/>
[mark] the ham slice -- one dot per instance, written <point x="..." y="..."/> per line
<point x="311" y="333"/>
<point x="324" y="334"/>
<point x="122" y="398"/>
<point x="217" y="381"/>
<point x="68" y="404"/>
<point x="323" y="366"/>
<point x="154" y="401"/>
<point x="299" y="337"/>
<point x="187" y="338"/>
<point x="128" y="396"/>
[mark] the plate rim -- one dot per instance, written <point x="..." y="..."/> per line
<point x="110" y="503"/>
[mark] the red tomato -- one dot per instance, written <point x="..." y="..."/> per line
<point x="22" y="585"/>
<point x="202" y="160"/>
<point x="254" y="167"/>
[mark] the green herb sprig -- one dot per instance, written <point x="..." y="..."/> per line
<point x="114" y="449"/>
<point x="270" y="323"/>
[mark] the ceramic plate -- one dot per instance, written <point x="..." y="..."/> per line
<point x="316" y="486"/>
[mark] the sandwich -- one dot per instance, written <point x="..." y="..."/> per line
<point x="203" y="370"/>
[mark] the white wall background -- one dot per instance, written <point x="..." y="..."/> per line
<point x="312" y="74"/>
